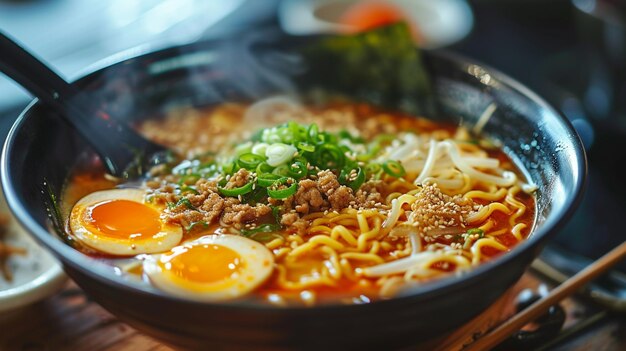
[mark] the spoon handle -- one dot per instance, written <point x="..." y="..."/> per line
<point x="32" y="74"/>
<point x="117" y="145"/>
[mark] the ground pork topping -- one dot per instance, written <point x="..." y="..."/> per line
<point x="369" y="194"/>
<point x="238" y="214"/>
<point x="239" y="179"/>
<point x="276" y="177"/>
<point x="206" y="205"/>
<point x="308" y="198"/>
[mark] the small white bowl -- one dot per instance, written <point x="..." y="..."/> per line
<point x="440" y="22"/>
<point x="36" y="275"/>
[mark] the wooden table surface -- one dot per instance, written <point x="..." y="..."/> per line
<point x="68" y="320"/>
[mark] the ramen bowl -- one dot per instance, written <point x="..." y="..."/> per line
<point x="42" y="150"/>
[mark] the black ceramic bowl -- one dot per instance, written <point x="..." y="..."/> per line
<point x="41" y="150"/>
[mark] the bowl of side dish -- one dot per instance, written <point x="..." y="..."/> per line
<point x="28" y="272"/>
<point x="368" y="279"/>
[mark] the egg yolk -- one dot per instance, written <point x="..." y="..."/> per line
<point x="125" y="219"/>
<point x="208" y="263"/>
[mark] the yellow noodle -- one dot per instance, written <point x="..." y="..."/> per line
<point x="304" y="283"/>
<point x="341" y="232"/>
<point x="362" y="257"/>
<point x="396" y="208"/>
<point x="347" y="269"/>
<point x="386" y="246"/>
<point x="479" y="244"/>
<point x="337" y="272"/>
<point x="320" y="229"/>
<point x="390" y="286"/>
<point x="274" y="244"/>
<point x="332" y="263"/>
<point x="369" y="235"/>
<point x="280" y="253"/>
<point x="498" y="232"/>
<point x="489" y="196"/>
<point x="517" y="230"/>
<point x="295" y="238"/>
<point x="488" y="225"/>
<point x="321" y="221"/>
<point x="340" y="217"/>
<point x="423" y="269"/>
<point x="511" y="200"/>
<point x="375" y="247"/>
<point x="343" y="245"/>
<point x="315" y="241"/>
<point x="401" y="186"/>
<point x="486" y="211"/>
<point x="314" y="215"/>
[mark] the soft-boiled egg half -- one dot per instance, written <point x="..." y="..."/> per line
<point x="120" y="222"/>
<point x="211" y="268"/>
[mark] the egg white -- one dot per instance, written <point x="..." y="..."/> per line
<point x="169" y="236"/>
<point x="257" y="264"/>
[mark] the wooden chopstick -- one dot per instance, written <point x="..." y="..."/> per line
<point x="538" y="308"/>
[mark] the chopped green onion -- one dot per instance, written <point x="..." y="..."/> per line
<point x="255" y="196"/>
<point x="373" y="168"/>
<point x="282" y="171"/>
<point x="394" y="168"/>
<point x="250" y="161"/>
<point x="276" y="212"/>
<point x="188" y="189"/>
<point x="356" y="183"/>
<point x="298" y="169"/>
<point x="344" y="134"/>
<point x="279" y="154"/>
<point x="260" y="149"/>
<point x="185" y="201"/>
<point x="229" y="167"/>
<point x="467" y="244"/>
<point x="282" y="193"/>
<point x="313" y="133"/>
<point x="193" y="225"/>
<point x="264" y="168"/>
<point x="236" y="191"/>
<point x="294" y="132"/>
<point x="267" y="179"/>
<point x="469" y="239"/>
<point x="480" y="232"/>
<point x="263" y="228"/>
<point x="243" y="148"/>
<point x="265" y="237"/>
<point x="329" y="156"/>
<point x="306" y="147"/>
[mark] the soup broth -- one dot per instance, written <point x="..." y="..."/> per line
<point x="289" y="204"/>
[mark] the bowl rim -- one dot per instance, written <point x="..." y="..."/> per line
<point x="75" y="259"/>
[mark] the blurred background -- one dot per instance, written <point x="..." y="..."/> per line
<point x="571" y="52"/>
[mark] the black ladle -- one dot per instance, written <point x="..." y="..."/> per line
<point x="123" y="151"/>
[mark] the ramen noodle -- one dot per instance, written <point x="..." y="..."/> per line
<point x="293" y="204"/>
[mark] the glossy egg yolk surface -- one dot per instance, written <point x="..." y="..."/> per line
<point x="190" y="263"/>
<point x="212" y="268"/>
<point x="125" y="219"/>
<point x="120" y="222"/>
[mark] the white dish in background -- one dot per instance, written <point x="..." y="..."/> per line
<point x="36" y="275"/>
<point x="440" y="22"/>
